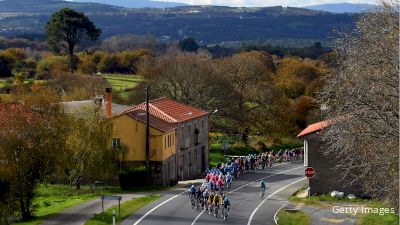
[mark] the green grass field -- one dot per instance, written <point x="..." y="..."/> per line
<point x="127" y="209"/>
<point x="122" y="83"/>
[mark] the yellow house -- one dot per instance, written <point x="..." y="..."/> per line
<point x="178" y="138"/>
<point x="131" y="131"/>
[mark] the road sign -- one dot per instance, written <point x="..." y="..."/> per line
<point x="309" y="172"/>
<point x="111" y="197"/>
<point x="225" y="146"/>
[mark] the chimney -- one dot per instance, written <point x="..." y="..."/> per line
<point x="108" y="102"/>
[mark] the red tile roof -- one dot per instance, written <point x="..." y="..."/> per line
<point x="155" y="121"/>
<point x="165" y="113"/>
<point x="178" y="111"/>
<point x="315" y="127"/>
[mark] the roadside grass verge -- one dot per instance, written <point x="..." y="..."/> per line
<point x="293" y="218"/>
<point x="364" y="218"/>
<point x="376" y="218"/>
<point x="51" y="199"/>
<point x="127" y="208"/>
<point x="320" y="200"/>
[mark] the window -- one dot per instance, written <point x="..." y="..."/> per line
<point x="196" y="136"/>
<point x="173" y="138"/>
<point x="165" y="142"/>
<point x="116" y="143"/>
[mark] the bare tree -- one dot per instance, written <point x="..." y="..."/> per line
<point x="362" y="97"/>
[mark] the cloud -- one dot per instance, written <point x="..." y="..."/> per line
<point x="263" y="3"/>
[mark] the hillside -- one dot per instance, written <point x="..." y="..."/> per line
<point x="136" y="3"/>
<point x="208" y="25"/>
<point x="342" y="7"/>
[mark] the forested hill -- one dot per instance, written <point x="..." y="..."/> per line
<point x="208" y="25"/>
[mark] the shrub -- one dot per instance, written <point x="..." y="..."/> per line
<point x="134" y="177"/>
<point x="51" y="65"/>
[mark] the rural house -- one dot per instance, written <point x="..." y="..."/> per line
<point x="178" y="138"/>
<point x="326" y="178"/>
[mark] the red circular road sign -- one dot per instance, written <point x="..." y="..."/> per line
<point x="309" y="172"/>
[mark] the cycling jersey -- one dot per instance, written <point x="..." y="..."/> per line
<point x="217" y="200"/>
<point x="262" y="184"/>
<point x="226" y="202"/>
<point x="210" y="199"/>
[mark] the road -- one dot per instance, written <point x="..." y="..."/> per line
<point x="247" y="205"/>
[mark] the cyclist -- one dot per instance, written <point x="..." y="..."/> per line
<point x="228" y="180"/>
<point x="206" y="194"/>
<point x="262" y="186"/>
<point x="199" y="196"/>
<point x="192" y="195"/>
<point x="192" y="191"/>
<point x="216" y="203"/>
<point x="226" y="208"/>
<point x="210" y="202"/>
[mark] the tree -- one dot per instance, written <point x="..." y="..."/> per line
<point x="5" y="66"/>
<point x="89" y="153"/>
<point x="361" y="97"/>
<point x="188" y="45"/>
<point x="32" y="137"/>
<point x="66" y="29"/>
<point x="246" y="89"/>
<point x="186" y="77"/>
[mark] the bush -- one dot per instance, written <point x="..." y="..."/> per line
<point x="132" y="178"/>
<point x="5" y="66"/>
<point x="51" y="65"/>
<point x="287" y="143"/>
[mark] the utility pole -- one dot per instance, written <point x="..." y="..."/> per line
<point x="147" y="136"/>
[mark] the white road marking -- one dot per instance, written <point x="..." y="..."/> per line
<point x="275" y="218"/>
<point x="269" y="196"/>
<point x="194" y="221"/>
<point x="162" y="203"/>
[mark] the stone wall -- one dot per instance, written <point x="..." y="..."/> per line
<point x="327" y="178"/>
<point x="192" y="154"/>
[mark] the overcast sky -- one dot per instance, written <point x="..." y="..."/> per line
<point x="259" y="3"/>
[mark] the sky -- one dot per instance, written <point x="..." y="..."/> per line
<point x="262" y="3"/>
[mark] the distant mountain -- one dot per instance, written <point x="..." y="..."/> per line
<point x="50" y="6"/>
<point x="342" y="7"/>
<point x="135" y="3"/>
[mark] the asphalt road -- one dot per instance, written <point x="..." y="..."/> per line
<point x="247" y="207"/>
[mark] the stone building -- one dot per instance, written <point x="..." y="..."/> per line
<point x="178" y="138"/>
<point x="327" y="178"/>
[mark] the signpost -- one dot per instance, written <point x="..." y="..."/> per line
<point x="309" y="172"/>
<point x="112" y="197"/>
<point x="225" y="146"/>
